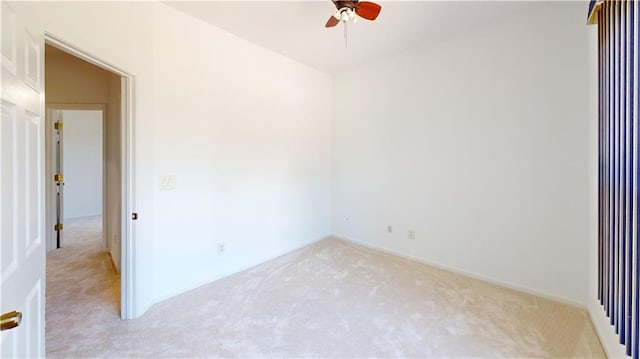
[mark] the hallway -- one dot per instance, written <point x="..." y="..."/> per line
<point x="81" y="284"/>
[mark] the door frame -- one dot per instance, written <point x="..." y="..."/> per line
<point x="50" y="192"/>
<point x="128" y="267"/>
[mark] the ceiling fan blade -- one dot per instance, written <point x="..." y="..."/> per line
<point x="332" y="22"/>
<point x="368" y="10"/>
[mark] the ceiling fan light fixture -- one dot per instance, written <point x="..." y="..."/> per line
<point x="352" y="15"/>
<point x="350" y="10"/>
<point x="346" y="14"/>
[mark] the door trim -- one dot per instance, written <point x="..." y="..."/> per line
<point x="128" y="265"/>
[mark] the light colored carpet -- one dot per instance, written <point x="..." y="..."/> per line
<point x="331" y="299"/>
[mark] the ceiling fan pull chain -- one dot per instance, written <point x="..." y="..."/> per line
<point x="345" y="34"/>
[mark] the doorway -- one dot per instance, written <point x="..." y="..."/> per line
<point x="85" y="96"/>
<point x="78" y="162"/>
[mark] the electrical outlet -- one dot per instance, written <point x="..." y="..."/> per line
<point x="389" y="229"/>
<point x="412" y="234"/>
<point x="222" y="247"/>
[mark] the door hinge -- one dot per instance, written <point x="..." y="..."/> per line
<point x="57" y="227"/>
<point x="57" y="126"/>
<point x="58" y="177"/>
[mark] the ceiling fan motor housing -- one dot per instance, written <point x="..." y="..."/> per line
<point x="347" y="11"/>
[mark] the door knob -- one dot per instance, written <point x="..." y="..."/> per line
<point x="10" y="320"/>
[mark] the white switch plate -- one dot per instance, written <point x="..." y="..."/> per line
<point x="412" y="234"/>
<point x="167" y="182"/>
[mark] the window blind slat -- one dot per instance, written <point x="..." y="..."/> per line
<point x="618" y="270"/>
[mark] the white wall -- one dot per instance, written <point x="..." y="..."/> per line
<point x="479" y="144"/>
<point x="82" y="160"/>
<point x="247" y="135"/>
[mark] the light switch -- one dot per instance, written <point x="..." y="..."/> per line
<point x="167" y="182"/>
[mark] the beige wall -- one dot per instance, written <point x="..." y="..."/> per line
<point x="112" y="200"/>
<point x="71" y="81"/>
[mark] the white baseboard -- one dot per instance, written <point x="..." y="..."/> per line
<point x="606" y="332"/>
<point x="462" y="272"/>
<point x="83" y="216"/>
<point x="235" y="271"/>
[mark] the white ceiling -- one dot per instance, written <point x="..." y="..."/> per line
<point x="296" y="28"/>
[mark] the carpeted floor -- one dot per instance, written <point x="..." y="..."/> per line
<point x="331" y="299"/>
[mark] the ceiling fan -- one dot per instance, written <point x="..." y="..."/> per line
<point x="347" y="11"/>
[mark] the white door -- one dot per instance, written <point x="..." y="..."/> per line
<point x="22" y="183"/>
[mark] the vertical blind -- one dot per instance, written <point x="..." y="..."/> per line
<point x="618" y="161"/>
